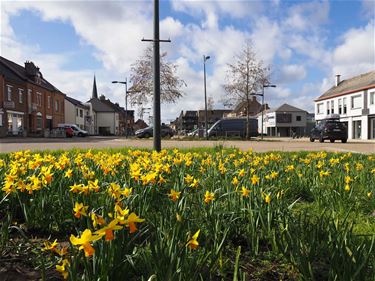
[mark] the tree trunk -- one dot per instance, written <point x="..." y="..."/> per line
<point x="247" y="119"/>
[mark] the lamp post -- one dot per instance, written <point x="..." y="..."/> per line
<point x="265" y="86"/>
<point x="126" y="103"/>
<point x="205" y="58"/>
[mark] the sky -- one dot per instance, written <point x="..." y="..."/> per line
<point x="305" y="43"/>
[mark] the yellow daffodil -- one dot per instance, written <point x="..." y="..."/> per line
<point x="255" y="179"/>
<point x="347" y="187"/>
<point x="267" y="198"/>
<point x="85" y="242"/>
<point x="80" y="210"/>
<point x="97" y="220"/>
<point x="194" y="184"/>
<point x="369" y="194"/>
<point x="241" y="173"/>
<point x="127" y="191"/>
<point x="235" y="181"/>
<point x="131" y="222"/>
<point x="209" y="196"/>
<point x="193" y="242"/>
<point x="174" y="195"/>
<point x="108" y="230"/>
<point x="245" y="192"/>
<point x="62" y="268"/>
<point x="48" y="246"/>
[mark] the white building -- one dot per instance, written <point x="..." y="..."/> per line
<point x="354" y="100"/>
<point x="283" y="121"/>
<point x="75" y="112"/>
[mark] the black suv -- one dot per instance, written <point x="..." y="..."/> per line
<point x="149" y="131"/>
<point x="329" y="129"/>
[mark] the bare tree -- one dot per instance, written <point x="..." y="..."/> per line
<point x="142" y="82"/>
<point x="244" y="77"/>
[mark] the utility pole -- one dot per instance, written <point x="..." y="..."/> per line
<point x="205" y="58"/>
<point x="156" y="76"/>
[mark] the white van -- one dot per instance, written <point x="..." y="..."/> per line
<point x="76" y="130"/>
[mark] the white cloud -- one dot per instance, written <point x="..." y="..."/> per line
<point x="356" y="53"/>
<point x="290" y="73"/>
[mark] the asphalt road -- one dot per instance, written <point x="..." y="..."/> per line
<point x="281" y="144"/>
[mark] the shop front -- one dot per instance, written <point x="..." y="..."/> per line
<point x="15" y="122"/>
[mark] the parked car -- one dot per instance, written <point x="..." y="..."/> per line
<point x="329" y="129"/>
<point x="165" y="131"/>
<point x="69" y="132"/>
<point x="230" y="127"/>
<point x="77" y="131"/>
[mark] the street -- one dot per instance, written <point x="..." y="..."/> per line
<point x="276" y="144"/>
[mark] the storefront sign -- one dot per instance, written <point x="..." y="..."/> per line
<point x="9" y="104"/>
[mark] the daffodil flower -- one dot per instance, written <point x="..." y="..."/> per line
<point x="209" y="196"/>
<point x="80" y="210"/>
<point x="174" y="195"/>
<point x="85" y="242"/>
<point x="108" y="230"/>
<point x="193" y="242"/>
<point x="131" y="222"/>
<point x="62" y="268"/>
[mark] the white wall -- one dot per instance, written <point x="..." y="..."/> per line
<point x="352" y="114"/>
<point x="107" y="119"/>
<point x="69" y="112"/>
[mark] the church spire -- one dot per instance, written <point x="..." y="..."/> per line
<point x="94" y="89"/>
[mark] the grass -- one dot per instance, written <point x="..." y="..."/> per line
<point x="189" y="214"/>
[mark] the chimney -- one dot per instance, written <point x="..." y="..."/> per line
<point x="31" y="69"/>
<point x="102" y="97"/>
<point x="337" y="79"/>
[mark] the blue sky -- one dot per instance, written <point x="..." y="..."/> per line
<point x="305" y="42"/>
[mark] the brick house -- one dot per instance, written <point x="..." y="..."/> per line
<point x="29" y="104"/>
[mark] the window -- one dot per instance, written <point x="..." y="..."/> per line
<point x="332" y="107"/>
<point x="81" y="113"/>
<point x="283" y="118"/>
<point x="1" y="119"/>
<point x="356" y="102"/>
<point x="298" y="118"/>
<point x="372" y="98"/>
<point x="29" y="93"/>
<point x="20" y="95"/>
<point x="344" y="103"/>
<point x="77" y="112"/>
<point x="56" y="105"/>
<point x="39" y="99"/>
<point x="328" y="103"/>
<point x="9" y="92"/>
<point x="340" y="106"/>
<point x="39" y="122"/>
<point x="320" y="108"/>
<point x="49" y="101"/>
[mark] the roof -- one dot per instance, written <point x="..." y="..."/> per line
<point x="357" y="83"/>
<point x="286" y="108"/>
<point x="99" y="106"/>
<point x="75" y="102"/>
<point x="20" y="71"/>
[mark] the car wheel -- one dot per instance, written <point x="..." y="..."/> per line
<point x="344" y="140"/>
<point x="80" y="134"/>
<point x="321" y="139"/>
<point x="332" y="140"/>
<point x="312" y="139"/>
<point x="147" y="135"/>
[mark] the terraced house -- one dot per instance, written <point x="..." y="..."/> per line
<point x="354" y="101"/>
<point x="29" y="104"/>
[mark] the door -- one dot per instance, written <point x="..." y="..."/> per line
<point x="14" y="124"/>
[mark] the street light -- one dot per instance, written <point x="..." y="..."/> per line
<point x="265" y="86"/>
<point x="126" y="103"/>
<point x="205" y="58"/>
